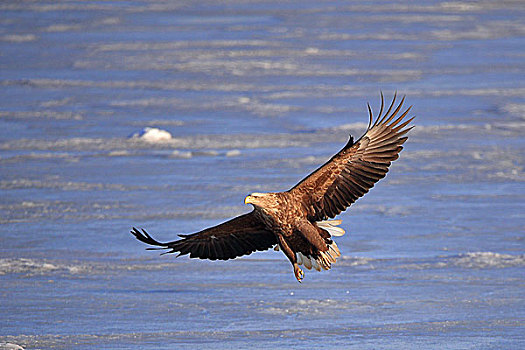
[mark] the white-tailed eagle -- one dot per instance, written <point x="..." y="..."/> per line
<point x="296" y="221"/>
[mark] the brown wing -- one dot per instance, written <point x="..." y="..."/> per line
<point x="349" y="174"/>
<point x="239" y="236"/>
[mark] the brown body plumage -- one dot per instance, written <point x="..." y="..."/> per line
<point x="296" y="220"/>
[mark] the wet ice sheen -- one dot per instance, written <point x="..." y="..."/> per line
<point x="255" y="96"/>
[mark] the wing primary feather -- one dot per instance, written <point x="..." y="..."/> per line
<point x="392" y="142"/>
<point x="383" y="137"/>
<point x="387" y="139"/>
<point x="394" y="123"/>
<point x="401" y="126"/>
<point x="396" y="111"/>
<point x="380" y="121"/>
<point x="146" y="238"/>
<point x="403" y="132"/>
<point x="370" y="116"/>
<point x="387" y="148"/>
<point x="382" y="105"/>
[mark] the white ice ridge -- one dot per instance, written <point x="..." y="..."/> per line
<point x="482" y="260"/>
<point x="10" y="346"/>
<point x="152" y="135"/>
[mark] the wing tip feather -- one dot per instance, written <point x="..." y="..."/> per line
<point x="370" y="116"/>
<point x="385" y="123"/>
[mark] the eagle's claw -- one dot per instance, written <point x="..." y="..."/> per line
<point x="299" y="274"/>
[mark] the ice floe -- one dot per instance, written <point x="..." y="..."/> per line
<point x="10" y="346"/>
<point x="150" y="134"/>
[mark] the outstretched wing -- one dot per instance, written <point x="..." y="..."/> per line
<point x="349" y="174"/>
<point x="239" y="236"/>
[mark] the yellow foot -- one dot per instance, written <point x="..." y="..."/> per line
<point x="299" y="274"/>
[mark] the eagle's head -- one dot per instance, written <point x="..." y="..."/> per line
<point x="261" y="200"/>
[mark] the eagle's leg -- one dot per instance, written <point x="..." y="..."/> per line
<point x="311" y="233"/>
<point x="299" y="274"/>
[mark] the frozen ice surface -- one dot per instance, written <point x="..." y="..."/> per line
<point x="255" y="95"/>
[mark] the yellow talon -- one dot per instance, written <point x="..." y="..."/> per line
<point x="299" y="274"/>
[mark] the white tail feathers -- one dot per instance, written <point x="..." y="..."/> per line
<point x="331" y="227"/>
<point x="334" y="250"/>
<point x="323" y="261"/>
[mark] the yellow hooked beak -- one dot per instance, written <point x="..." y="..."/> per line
<point x="248" y="200"/>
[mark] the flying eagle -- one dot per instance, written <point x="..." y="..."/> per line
<point x="296" y="221"/>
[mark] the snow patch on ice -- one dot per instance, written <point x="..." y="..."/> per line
<point x="233" y="153"/>
<point x="150" y="134"/>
